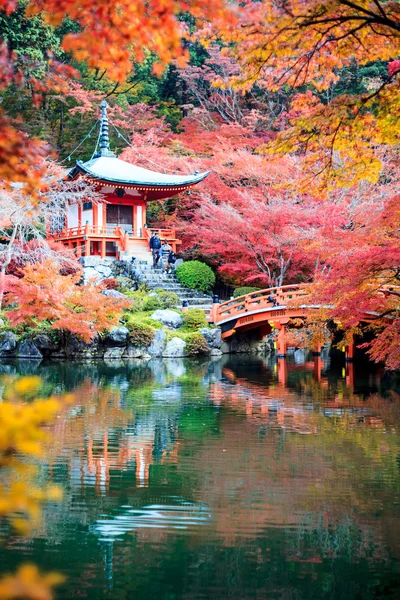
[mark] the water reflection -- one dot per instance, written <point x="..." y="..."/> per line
<point x="234" y="478"/>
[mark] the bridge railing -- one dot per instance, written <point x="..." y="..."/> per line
<point x="261" y="300"/>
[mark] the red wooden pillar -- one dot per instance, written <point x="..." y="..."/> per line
<point x="214" y="309"/>
<point x="144" y="217"/>
<point x="104" y="209"/>
<point x="103" y="248"/>
<point x="349" y="352"/>
<point x="281" y="341"/>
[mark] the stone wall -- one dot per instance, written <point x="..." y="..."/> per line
<point x="116" y="345"/>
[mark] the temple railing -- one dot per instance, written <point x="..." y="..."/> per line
<point x="165" y="234"/>
<point x="95" y="231"/>
<point x="112" y="230"/>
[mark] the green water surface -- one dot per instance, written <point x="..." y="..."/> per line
<point x="234" y="478"/>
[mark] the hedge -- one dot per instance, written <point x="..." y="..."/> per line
<point x="194" y="318"/>
<point x="196" y="345"/>
<point x="197" y="275"/>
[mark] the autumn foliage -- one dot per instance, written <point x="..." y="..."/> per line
<point x="43" y="294"/>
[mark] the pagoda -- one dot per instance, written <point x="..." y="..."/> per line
<point x="116" y="226"/>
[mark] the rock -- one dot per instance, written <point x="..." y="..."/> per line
<point x="75" y="347"/>
<point x="27" y="349"/>
<point x="156" y="347"/>
<point x="169" y="318"/>
<point x="117" y="337"/>
<point x="2" y="323"/>
<point x="8" y="343"/>
<point x="46" y="342"/>
<point x="113" y="294"/>
<point x="112" y="353"/>
<point x="175" y="348"/>
<point x="225" y="347"/>
<point x="136" y="352"/>
<point x="90" y="261"/>
<point x="91" y="274"/>
<point x="215" y="352"/>
<point x="104" y="271"/>
<point x="213" y="336"/>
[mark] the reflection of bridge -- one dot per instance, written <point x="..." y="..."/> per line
<point x="269" y="309"/>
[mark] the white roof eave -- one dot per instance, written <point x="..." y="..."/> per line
<point x="119" y="171"/>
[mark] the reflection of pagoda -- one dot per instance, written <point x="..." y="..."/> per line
<point x="117" y="224"/>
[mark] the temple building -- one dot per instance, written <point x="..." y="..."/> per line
<point x="116" y="227"/>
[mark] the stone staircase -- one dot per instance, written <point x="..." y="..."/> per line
<point x="155" y="278"/>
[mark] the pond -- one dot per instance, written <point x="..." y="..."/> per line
<point x="234" y="478"/>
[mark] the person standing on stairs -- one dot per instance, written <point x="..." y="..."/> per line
<point x="165" y="252"/>
<point x="155" y="245"/>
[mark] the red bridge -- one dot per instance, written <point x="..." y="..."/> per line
<point x="266" y="310"/>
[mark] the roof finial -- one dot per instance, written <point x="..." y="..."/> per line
<point x="104" y="149"/>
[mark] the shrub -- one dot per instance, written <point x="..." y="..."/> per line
<point x="142" y="319"/>
<point x="110" y="283"/>
<point x="140" y="334"/>
<point x="124" y="284"/>
<point x="137" y="301"/>
<point x="241" y="291"/>
<point x="168" y="299"/>
<point x="152" y="303"/>
<point x="197" y="275"/>
<point x="194" y="318"/>
<point x="196" y="345"/>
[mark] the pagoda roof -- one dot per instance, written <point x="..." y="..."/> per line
<point x="111" y="169"/>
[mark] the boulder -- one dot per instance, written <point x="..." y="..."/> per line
<point x="90" y="261"/>
<point x="76" y="348"/>
<point x="169" y="318"/>
<point x="113" y="294"/>
<point x="175" y="348"/>
<point x="47" y="343"/>
<point x="8" y="343"/>
<point x="112" y="353"/>
<point x="90" y="274"/>
<point x="117" y="337"/>
<point x="27" y="349"/>
<point x="213" y="336"/>
<point x="104" y="271"/>
<point x="215" y="352"/>
<point x="136" y="352"/>
<point x="156" y="347"/>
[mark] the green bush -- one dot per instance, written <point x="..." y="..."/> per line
<point x="137" y="300"/>
<point x="197" y="275"/>
<point x="152" y="303"/>
<point x="168" y="299"/>
<point x="241" y="291"/>
<point x="196" y="345"/>
<point x="140" y="334"/>
<point x="194" y="318"/>
<point x="142" y="319"/>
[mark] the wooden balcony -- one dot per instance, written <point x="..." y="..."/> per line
<point x="90" y="240"/>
